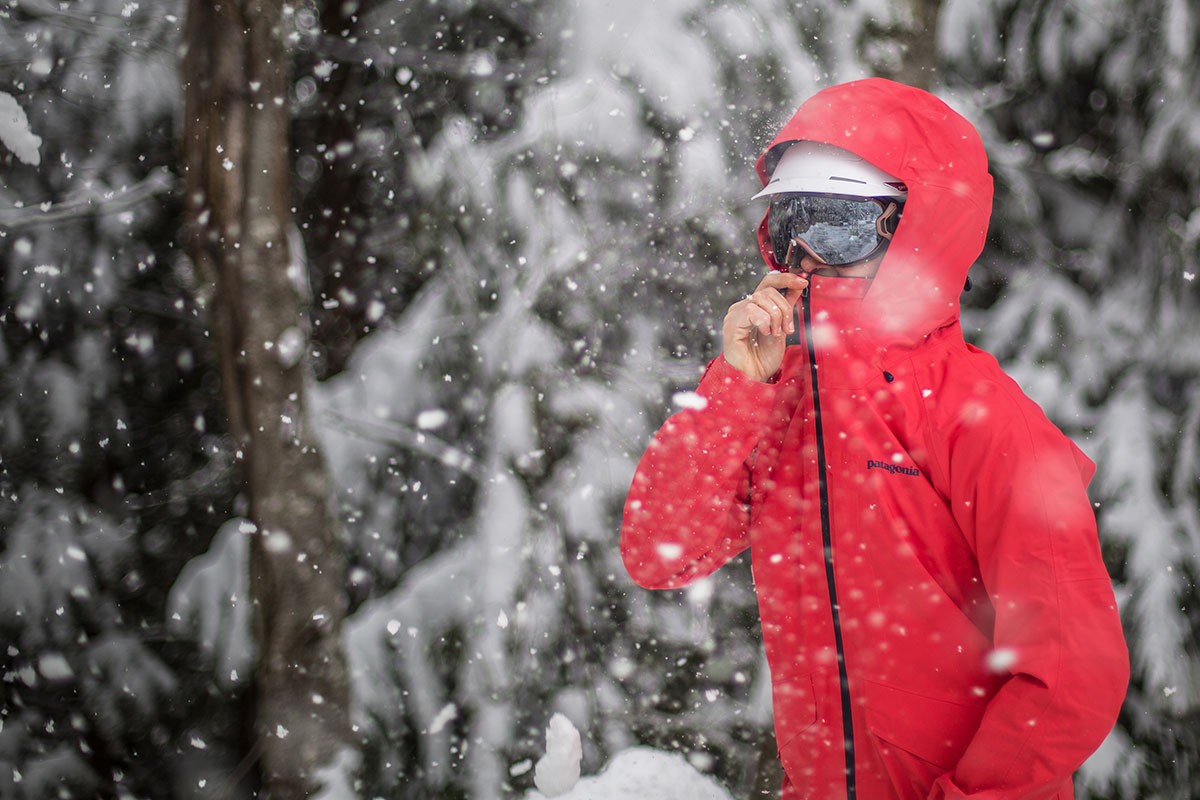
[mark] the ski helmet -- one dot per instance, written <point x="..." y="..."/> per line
<point x="818" y="168"/>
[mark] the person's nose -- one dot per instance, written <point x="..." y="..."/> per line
<point x="810" y="263"/>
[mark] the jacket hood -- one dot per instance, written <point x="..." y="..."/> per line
<point x="939" y="155"/>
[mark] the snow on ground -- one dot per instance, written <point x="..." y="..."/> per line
<point x="642" y="772"/>
<point x="633" y="774"/>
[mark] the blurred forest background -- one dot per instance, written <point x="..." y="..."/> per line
<point x="488" y="241"/>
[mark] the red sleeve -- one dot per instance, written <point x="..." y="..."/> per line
<point x="1019" y="490"/>
<point x="686" y="513"/>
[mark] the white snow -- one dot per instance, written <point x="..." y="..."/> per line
<point x="1001" y="659"/>
<point x="444" y="717"/>
<point x="508" y="579"/>
<point x="640" y="773"/>
<point x="209" y="602"/>
<point x="290" y="347"/>
<point x="15" y="132"/>
<point x="54" y="667"/>
<point x="277" y="541"/>
<point x="670" y="551"/>
<point x="337" y="780"/>
<point x="557" y="772"/>
<point x="690" y="400"/>
<point x="432" y="418"/>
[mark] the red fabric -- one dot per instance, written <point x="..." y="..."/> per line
<point x="982" y="646"/>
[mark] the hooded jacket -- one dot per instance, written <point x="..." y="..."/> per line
<point x="935" y="610"/>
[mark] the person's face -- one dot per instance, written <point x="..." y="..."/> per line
<point x="816" y="230"/>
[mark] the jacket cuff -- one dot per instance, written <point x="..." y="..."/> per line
<point x="733" y="395"/>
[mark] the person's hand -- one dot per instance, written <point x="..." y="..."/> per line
<point x="756" y="328"/>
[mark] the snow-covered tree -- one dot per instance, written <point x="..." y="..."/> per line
<point x="113" y="468"/>
<point x="523" y="223"/>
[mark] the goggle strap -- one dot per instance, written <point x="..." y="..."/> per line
<point x="796" y="249"/>
<point x="886" y="225"/>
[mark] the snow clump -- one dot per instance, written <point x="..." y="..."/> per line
<point x="15" y="132"/>
<point x="557" y="772"/>
<point x="690" y="401"/>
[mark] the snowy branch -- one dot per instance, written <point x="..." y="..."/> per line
<point x="160" y="181"/>
<point x="479" y="65"/>
<point x="416" y="441"/>
<point x="93" y="23"/>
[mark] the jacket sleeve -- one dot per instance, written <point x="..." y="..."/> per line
<point x="1018" y="489"/>
<point x="687" y="510"/>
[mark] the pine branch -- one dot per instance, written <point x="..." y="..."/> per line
<point x="160" y="181"/>
<point x="416" y="441"/>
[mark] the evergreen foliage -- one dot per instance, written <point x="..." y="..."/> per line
<point x="113" y="468"/>
<point x="523" y="222"/>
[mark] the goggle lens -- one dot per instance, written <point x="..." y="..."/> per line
<point x="841" y="230"/>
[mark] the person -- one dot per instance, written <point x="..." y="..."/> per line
<point x="936" y="614"/>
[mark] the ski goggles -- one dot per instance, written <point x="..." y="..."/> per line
<point x="838" y="230"/>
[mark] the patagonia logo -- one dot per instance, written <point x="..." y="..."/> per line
<point x="892" y="468"/>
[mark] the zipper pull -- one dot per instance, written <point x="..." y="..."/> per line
<point x="808" y="276"/>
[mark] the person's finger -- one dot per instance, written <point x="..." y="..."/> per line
<point x="779" y="278"/>
<point x="759" y="319"/>
<point x="763" y="301"/>
<point x="789" y="285"/>
<point x="790" y="282"/>
<point x="778" y="307"/>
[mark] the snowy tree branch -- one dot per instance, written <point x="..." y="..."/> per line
<point x="478" y="65"/>
<point x="417" y="441"/>
<point x="160" y="181"/>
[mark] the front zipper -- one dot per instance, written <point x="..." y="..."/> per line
<point x="827" y="543"/>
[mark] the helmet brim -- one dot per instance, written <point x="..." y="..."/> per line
<point x="816" y="168"/>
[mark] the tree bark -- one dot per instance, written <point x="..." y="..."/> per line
<point x="236" y="163"/>
<point x="910" y="52"/>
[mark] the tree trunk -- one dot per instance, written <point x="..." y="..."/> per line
<point x="236" y="160"/>
<point x="906" y="48"/>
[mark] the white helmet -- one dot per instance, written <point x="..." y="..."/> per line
<point x="825" y="169"/>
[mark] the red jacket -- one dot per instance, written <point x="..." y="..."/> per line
<point x="935" y="610"/>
